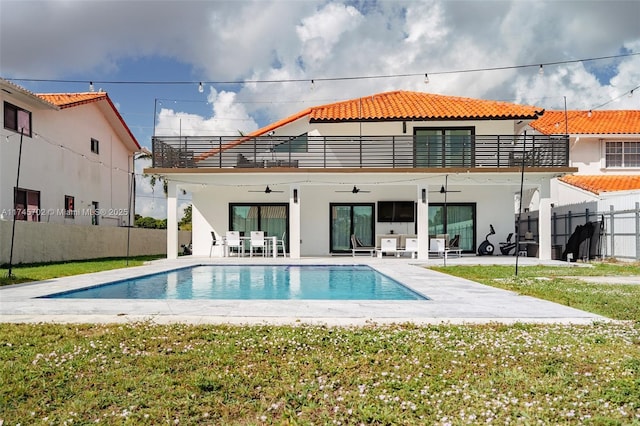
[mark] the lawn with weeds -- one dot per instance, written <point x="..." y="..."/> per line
<point x="46" y="271"/>
<point x="559" y="284"/>
<point x="146" y="374"/>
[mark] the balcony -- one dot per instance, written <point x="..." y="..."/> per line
<point x="333" y="152"/>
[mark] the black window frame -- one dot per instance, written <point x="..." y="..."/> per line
<point x="69" y="207"/>
<point x="95" y="146"/>
<point x="25" y="214"/>
<point x="467" y="162"/>
<point x="259" y="206"/>
<point x="11" y="123"/>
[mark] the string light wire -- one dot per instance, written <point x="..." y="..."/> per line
<point x="325" y="79"/>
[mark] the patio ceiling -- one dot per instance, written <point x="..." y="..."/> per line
<point x="197" y="180"/>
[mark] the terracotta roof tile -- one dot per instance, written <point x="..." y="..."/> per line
<point x="67" y="100"/>
<point x="403" y="105"/>
<point x="400" y="105"/>
<point x="583" y="122"/>
<point x="603" y="183"/>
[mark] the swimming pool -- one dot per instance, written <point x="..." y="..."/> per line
<point x="254" y="282"/>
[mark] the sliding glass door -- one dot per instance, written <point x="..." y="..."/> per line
<point x="457" y="219"/>
<point x="347" y="219"/>
<point x="444" y="147"/>
<point x="273" y="219"/>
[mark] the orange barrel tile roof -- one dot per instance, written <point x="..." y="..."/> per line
<point x="68" y="100"/>
<point x="399" y="105"/>
<point x="603" y="183"/>
<point x="585" y="122"/>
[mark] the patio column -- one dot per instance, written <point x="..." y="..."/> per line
<point x="544" y="221"/>
<point x="294" y="221"/>
<point x="172" y="220"/>
<point x="423" y="222"/>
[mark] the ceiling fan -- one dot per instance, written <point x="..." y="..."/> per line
<point x="444" y="189"/>
<point x="267" y="190"/>
<point x="355" y="190"/>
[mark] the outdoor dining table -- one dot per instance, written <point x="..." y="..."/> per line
<point x="269" y="241"/>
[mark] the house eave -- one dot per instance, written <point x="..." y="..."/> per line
<point x="555" y="171"/>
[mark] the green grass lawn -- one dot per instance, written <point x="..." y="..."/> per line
<point x="150" y="374"/>
<point x="144" y="374"/>
<point x="558" y="284"/>
<point x="39" y="272"/>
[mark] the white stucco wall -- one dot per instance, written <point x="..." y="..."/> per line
<point x="57" y="161"/>
<point x="54" y="242"/>
<point x="494" y="205"/>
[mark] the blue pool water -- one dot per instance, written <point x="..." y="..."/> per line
<point x="254" y="282"/>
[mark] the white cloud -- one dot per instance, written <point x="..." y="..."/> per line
<point x="283" y="40"/>
<point x="228" y="118"/>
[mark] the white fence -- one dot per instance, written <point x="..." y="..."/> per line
<point x="37" y="242"/>
<point x="621" y="237"/>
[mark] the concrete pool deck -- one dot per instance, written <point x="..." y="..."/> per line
<point x="452" y="300"/>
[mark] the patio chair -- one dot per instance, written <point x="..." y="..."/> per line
<point x="454" y="246"/>
<point x="358" y="247"/>
<point x="215" y="242"/>
<point x="282" y="243"/>
<point x="257" y="241"/>
<point x="233" y="241"/>
<point x="411" y="247"/>
<point x="437" y="246"/>
<point x="388" y="245"/>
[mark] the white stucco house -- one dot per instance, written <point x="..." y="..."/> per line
<point x="401" y="163"/>
<point x="605" y="148"/>
<point x="74" y="154"/>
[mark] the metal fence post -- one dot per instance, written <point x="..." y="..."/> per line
<point x="637" y="232"/>
<point x="612" y="229"/>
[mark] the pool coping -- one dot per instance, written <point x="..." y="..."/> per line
<point x="451" y="300"/>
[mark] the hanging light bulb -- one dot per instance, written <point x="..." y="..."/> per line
<point x="200" y="88"/>
<point x="313" y="85"/>
<point x="91" y="86"/>
<point x="589" y="114"/>
<point x="631" y="93"/>
<point x="426" y="78"/>
<point x="541" y="70"/>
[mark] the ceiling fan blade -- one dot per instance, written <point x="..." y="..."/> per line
<point x="267" y="190"/>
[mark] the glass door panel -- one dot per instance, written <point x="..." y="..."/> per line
<point x="460" y="221"/>
<point x="458" y="148"/>
<point x="340" y="228"/>
<point x="347" y="219"/>
<point x="270" y="218"/>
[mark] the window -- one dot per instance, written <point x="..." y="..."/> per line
<point x="454" y="219"/>
<point x="622" y="154"/>
<point x="95" y="146"/>
<point x="295" y="144"/>
<point x="69" y="211"/>
<point x="351" y="218"/>
<point x="26" y="204"/>
<point x="17" y="119"/>
<point x="273" y="219"/>
<point x="95" y="212"/>
<point x="444" y="147"/>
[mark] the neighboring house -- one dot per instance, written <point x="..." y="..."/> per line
<point x="406" y="163"/>
<point x="605" y="148"/>
<point x="76" y="160"/>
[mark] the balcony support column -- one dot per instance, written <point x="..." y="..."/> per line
<point x="544" y="221"/>
<point x="423" y="221"/>
<point x="172" y="220"/>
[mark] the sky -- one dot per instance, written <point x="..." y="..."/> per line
<point x="151" y="55"/>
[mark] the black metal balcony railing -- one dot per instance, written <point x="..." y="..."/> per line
<point x="359" y="151"/>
